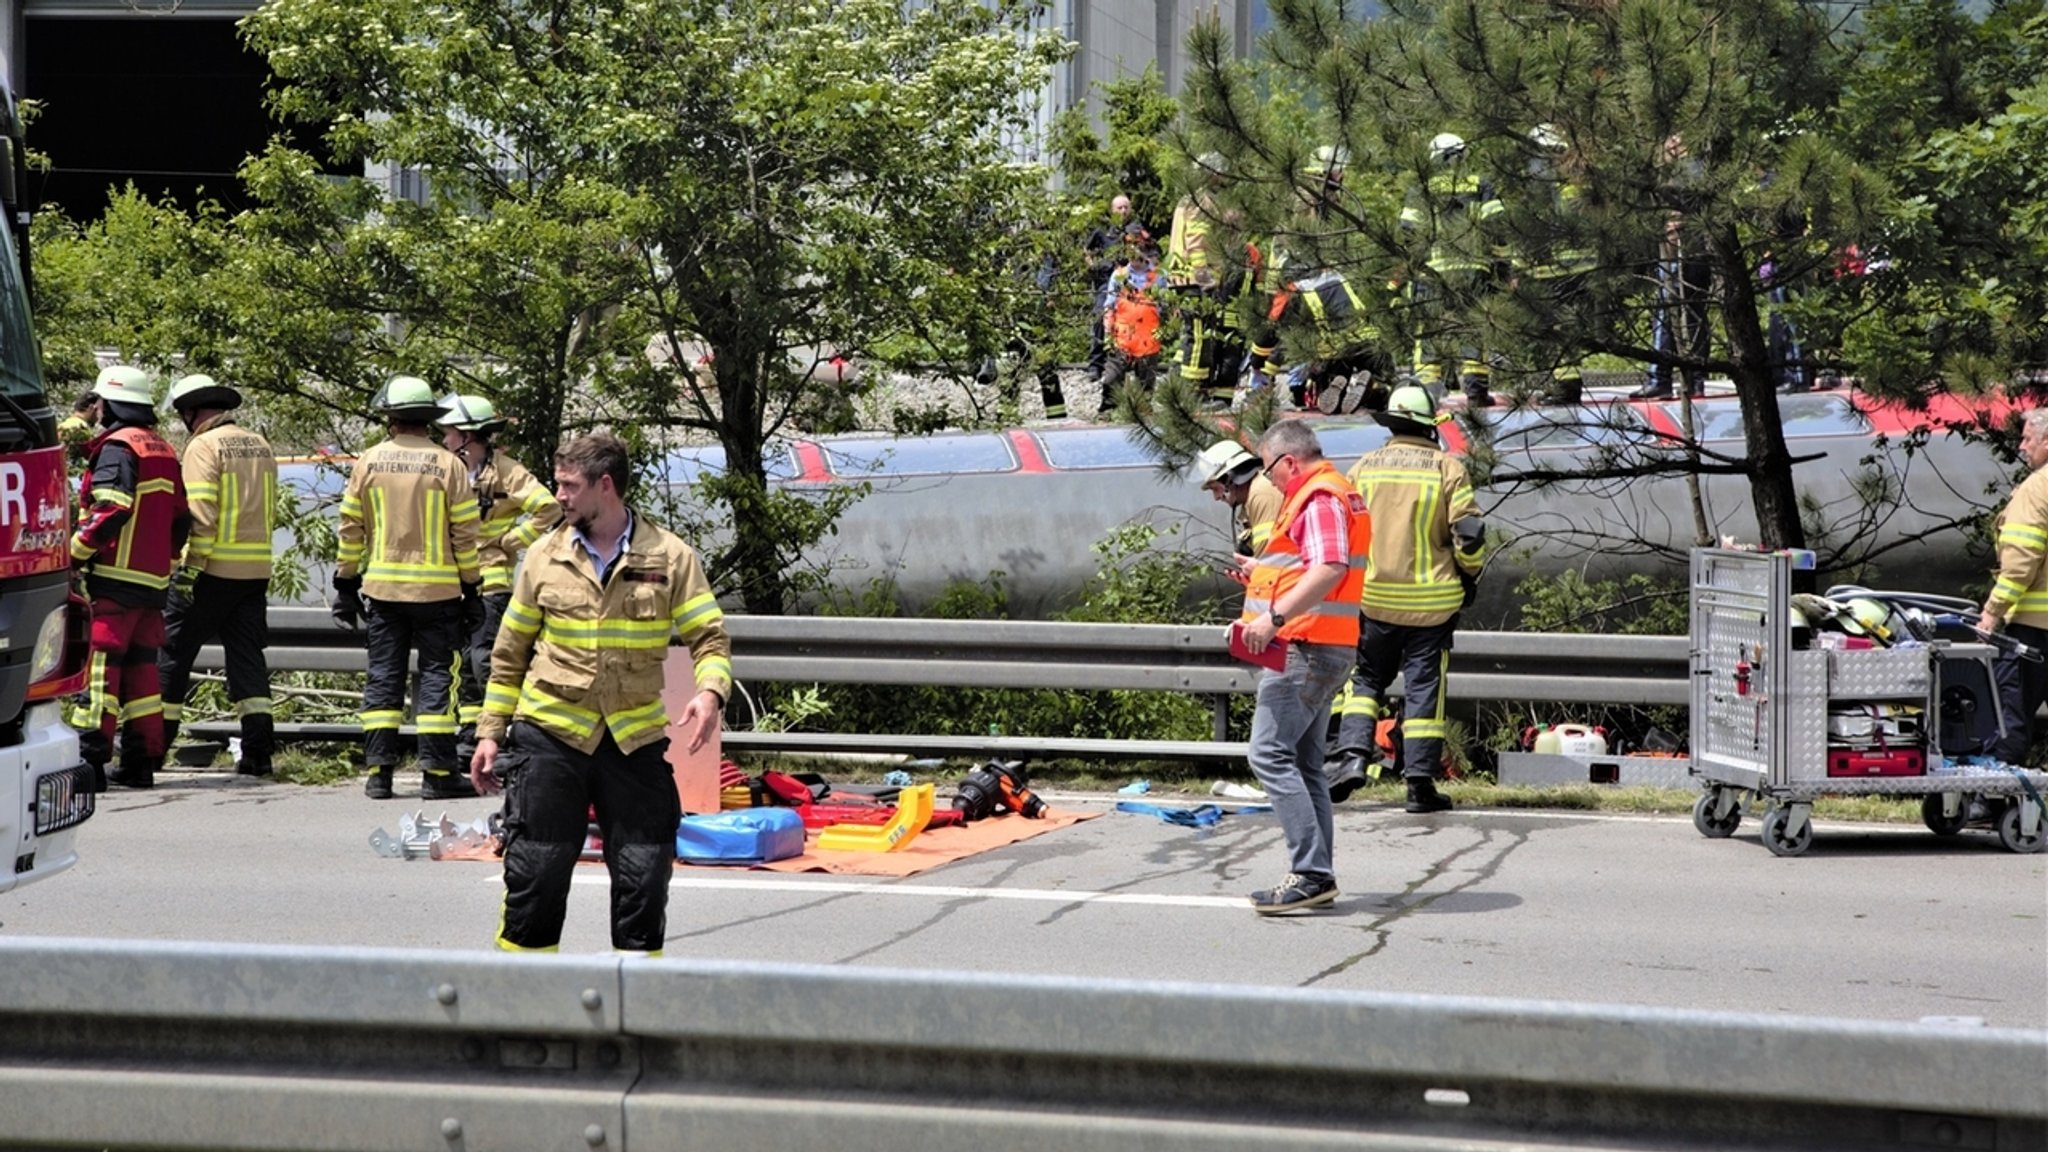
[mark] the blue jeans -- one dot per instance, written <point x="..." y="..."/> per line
<point x="1286" y="754"/>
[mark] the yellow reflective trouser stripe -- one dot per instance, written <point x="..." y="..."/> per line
<point x="522" y="617"/>
<point x="379" y="719"/>
<point x="173" y="712"/>
<point x="1424" y="729"/>
<point x="248" y="706"/>
<point x="435" y="724"/>
<point x="136" y="709"/>
<point x="95" y="706"/>
<point x="505" y="945"/>
<point x="1432" y="726"/>
<point x="1350" y="702"/>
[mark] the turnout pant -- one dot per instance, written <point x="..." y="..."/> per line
<point x="481" y="634"/>
<point x="396" y="629"/>
<point x="2022" y="686"/>
<point x="237" y="612"/>
<point x="1418" y="653"/>
<point x="121" y="688"/>
<point x="550" y="789"/>
<point x="1286" y="751"/>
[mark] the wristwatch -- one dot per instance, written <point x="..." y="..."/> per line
<point x="1279" y="619"/>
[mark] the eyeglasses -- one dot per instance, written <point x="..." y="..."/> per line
<point x="1268" y="468"/>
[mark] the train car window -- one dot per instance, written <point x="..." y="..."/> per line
<point x="1802" y="415"/>
<point x="1349" y="441"/>
<point x="979" y="452"/>
<point x="1077" y="449"/>
<point x="684" y="465"/>
<point x="1536" y="429"/>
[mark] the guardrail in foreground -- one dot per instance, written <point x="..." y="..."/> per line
<point x="126" y="1045"/>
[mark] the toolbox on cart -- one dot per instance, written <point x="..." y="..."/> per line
<point x="1856" y="762"/>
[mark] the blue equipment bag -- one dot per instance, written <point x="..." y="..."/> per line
<point x="741" y="836"/>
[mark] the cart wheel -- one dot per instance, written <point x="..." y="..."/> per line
<point x="1777" y="841"/>
<point x="1703" y="817"/>
<point x="1937" y="821"/>
<point x="2009" y="831"/>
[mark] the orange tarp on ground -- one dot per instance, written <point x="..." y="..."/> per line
<point x="933" y="847"/>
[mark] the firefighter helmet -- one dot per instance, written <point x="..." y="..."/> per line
<point x="1872" y="617"/>
<point x="469" y="413"/>
<point x="407" y="398"/>
<point x="1548" y="137"/>
<point x="1446" y="148"/>
<point x="199" y="391"/>
<point x="1411" y="411"/>
<point x="1330" y="161"/>
<point x="1222" y="461"/>
<point x="125" y="385"/>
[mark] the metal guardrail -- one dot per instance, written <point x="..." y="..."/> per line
<point x="1559" y="667"/>
<point x="1562" y="667"/>
<point x="126" y="1045"/>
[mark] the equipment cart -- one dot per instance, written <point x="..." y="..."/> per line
<point x="1776" y="727"/>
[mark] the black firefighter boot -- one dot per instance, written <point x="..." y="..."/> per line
<point x="137" y="768"/>
<point x="259" y="736"/>
<point x="1423" y="796"/>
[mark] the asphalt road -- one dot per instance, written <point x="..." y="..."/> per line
<point x="1873" y="922"/>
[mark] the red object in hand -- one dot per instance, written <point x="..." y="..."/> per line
<point x="1742" y="678"/>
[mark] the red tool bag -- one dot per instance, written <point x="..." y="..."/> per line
<point x="1877" y="762"/>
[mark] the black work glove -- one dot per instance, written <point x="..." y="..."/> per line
<point x="1470" y="580"/>
<point x="472" y="608"/>
<point x="348" y="602"/>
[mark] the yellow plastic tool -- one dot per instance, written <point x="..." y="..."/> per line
<point x="913" y="812"/>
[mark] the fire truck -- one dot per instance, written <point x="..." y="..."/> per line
<point x="46" y="790"/>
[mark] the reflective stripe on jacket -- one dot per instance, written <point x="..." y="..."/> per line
<point x="408" y="522"/>
<point x="2019" y="589"/>
<point x="1280" y="566"/>
<point x="1188" y="260"/>
<point x="1415" y="491"/>
<point x="578" y="657"/>
<point x="231" y="481"/>
<point x="136" y="517"/>
<point x="514" y="510"/>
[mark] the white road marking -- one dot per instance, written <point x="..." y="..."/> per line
<point x="826" y="887"/>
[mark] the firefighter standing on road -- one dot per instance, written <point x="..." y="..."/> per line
<point x="408" y="548"/>
<point x="134" y="524"/>
<point x="573" y="717"/>
<point x="513" y="510"/>
<point x="223" y="587"/>
<point x="1422" y="570"/>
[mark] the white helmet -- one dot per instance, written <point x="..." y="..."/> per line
<point x="1446" y="148"/>
<point x="1220" y="460"/>
<point x="1548" y="137"/>
<point x="126" y="385"/>
<point x="1410" y="411"/>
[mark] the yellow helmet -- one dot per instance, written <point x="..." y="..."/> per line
<point x="407" y="398"/>
<point x="1411" y="411"/>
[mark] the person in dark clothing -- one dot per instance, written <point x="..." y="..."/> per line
<point x="1105" y="249"/>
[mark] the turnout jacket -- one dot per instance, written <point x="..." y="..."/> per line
<point x="514" y="510"/>
<point x="408" y="523"/>
<point x="1416" y="491"/>
<point x="231" y="482"/>
<point x="135" y="519"/>
<point x="1256" y="515"/>
<point x="2019" y="589"/>
<point x="581" y="652"/>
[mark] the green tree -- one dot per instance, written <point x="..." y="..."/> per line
<point x="1685" y="126"/>
<point x="663" y="215"/>
<point x="1132" y="154"/>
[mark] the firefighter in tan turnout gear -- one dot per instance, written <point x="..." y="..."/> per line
<point x="1422" y="571"/>
<point x="573" y="716"/>
<point x="513" y="510"/>
<point x="407" y="560"/>
<point x="222" y="588"/>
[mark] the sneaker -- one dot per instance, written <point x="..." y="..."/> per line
<point x="1347" y="777"/>
<point x="377" y="785"/>
<point x="1423" y="796"/>
<point x="1295" y="893"/>
<point x="446" y="786"/>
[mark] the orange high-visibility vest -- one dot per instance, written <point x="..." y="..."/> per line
<point x="1280" y="566"/>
